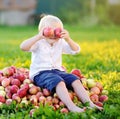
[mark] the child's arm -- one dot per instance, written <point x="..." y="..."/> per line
<point x="65" y="34"/>
<point x="27" y="44"/>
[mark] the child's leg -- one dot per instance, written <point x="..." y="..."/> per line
<point x="63" y="94"/>
<point x="82" y="94"/>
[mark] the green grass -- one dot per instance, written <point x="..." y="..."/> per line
<point x="99" y="59"/>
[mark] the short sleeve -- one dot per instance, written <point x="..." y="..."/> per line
<point x="66" y="49"/>
<point x="34" y="47"/>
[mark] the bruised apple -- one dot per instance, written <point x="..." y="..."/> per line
<point x="48" y="32"/>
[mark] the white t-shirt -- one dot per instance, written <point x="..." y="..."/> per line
<point x="47" y="57"/>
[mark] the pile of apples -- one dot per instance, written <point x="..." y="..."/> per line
<point x="15" y="85"/>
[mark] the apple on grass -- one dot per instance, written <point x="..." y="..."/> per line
<point x="94" y="98"/>
<point x="64" y="110"/>
<point x="91" y="83"/>
<point x="103" y="98"/>
<point x="8" y="101"/>
<point x="16" y="98"/>
<point x="95" y="90"/>
<point x="99" y="85"/>
<point x="100" y="104"/>
<point x="104" y="92"/>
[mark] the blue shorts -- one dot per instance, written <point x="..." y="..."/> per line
<point x="50" y="78"/>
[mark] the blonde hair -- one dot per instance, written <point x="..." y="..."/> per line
<point x="49" y="21"/>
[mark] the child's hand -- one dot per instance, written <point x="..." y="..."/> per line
<point x="65" y="35"/>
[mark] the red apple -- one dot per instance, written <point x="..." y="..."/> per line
<point x="16" y="82"/>
<point x="32" y="112"/>
<point x="7" y="89"/>
<point x="99" y="85"/>
<point x="61" y="104"/>
<point x="46" y="92"/>
<point x="8" y="101"/>
<point x="48" y="32"/>
<point x="103" y="98"/>
<point x="33" y="90"/>
<point x="94" y="98"/>
<point x="64" y="110"/>
<point x="8" y="71"/>
<point x="39" y="94"/>
<point x="95" y="90"/>
<point x="8" y="95"/>
<point x="14" y="89"/>
<point x="25" y="86"/>
<point x="57" y="32"/>
<point x="100" y="104"/>
<point x="76" y="72"/>
<point x="55" y="100"/>
<point x="16" y="97"/>
<point x="22" y="92"/>
<point x="20" y="76"/>
<point x="2" y="99"/>
<point x="56" y="106"/>
<point x="5" y="82"/>
<point x="42" y="99"/>
<point x="34" y="100"/>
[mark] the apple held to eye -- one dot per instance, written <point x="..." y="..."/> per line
<point x="48" y="32"/>
<point x="57" y="32"/>
<point x="52" y="33"/>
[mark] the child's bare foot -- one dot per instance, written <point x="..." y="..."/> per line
<point x="77" y="109"/>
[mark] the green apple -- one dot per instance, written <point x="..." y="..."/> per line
<point x="2" y="88"/>
<point x="105" y="92"/>
<point x="2" y="93"/>
<point x="91" y="83"/>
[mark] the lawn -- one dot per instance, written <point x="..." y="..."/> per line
<point x="99" y="59"/>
